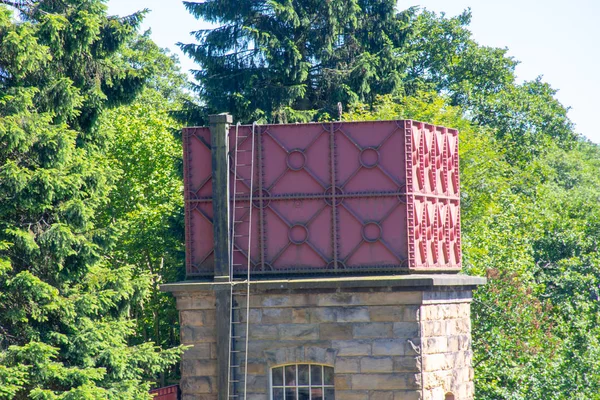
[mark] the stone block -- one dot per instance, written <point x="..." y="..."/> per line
<point x="435" y="327"/>
<point x="406" y="329"/>
<point x="387" y="313"/>
<point x="352" y="347"/>
<point x="254" y="316"/>
<point x="257" y="383"/>
<point x="276" y="316"/>
<point x="347" y="365"/>
<point x="449" y="327"/>
<point x="298" y="331"/>
<point x="381" y="395"/>
<point x="300" y="316"/>
<point x="437" y="393"/>
<point x="382" y="381"/>
<point x="197" y="351"/>
<point x="376" y="365"/>
<point x="192" y="317"/>
<point x="408" y="395"/>
<point x="342" y="382"/>
<point x="407" y="364"/>
<point x="351" y="395"/>
<point x="257" y="396"/>
<point x="436" y="379"/>
<point x="257" y="368"/>
<point x="335" y="331"/>
<point x="198" y="334"/>
<point x="372" y="330"/>
<point x="432" y="345"/>
<point x="434" y="362"/>
<point x="199" y="367"/>
<point x="338" y="299"/>
<point x="263" y="332"/>
<point x="412" y="313"/>
<point x="464" y="342"/>
<point x="390" y="347"/>
<point x="197" y="384"/>
<point x="322" y="314"/>
<point x="352" y="314"/>
<point x="453" y="344"/>
<point x="463" y="326"/>
<point x="196" y="302"/>
<point x="280" y="300"/>
<point x="388" y="298"/>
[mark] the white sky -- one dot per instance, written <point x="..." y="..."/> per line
<point x="558" y="39"/>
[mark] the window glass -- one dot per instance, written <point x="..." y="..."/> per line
<point x="302" y="382"/>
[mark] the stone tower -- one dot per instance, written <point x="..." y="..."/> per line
<point x="351" y="233"/>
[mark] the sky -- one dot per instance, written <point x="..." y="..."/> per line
<point x="556" y="39"/>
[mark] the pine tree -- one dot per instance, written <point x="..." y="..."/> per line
<point x="64" y="303"/>
<point x="267" y="59"/>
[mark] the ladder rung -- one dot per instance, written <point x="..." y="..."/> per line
<point x="244" y="151"/>
<point x="240" y="235"/>
<point x="244" y="165"/>
<point x="237" y="322"/>
<point x="237" y="337"/>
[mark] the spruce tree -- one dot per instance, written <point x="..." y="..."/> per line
<point x="294" y="60"/>
<point x="64" y="302"/>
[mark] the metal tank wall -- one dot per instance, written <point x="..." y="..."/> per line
<point x="332" y="198"/>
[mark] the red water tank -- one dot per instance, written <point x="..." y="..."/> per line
<point x="331" y="198"/>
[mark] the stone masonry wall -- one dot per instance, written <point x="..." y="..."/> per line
<point x="384" y="345"/>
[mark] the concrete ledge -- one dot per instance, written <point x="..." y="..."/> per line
<point x="396" y="281"/>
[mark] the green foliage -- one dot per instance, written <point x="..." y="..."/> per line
<point x="64" y="304"/>
<point x="533" y="228"/>
<point x="146" y="206"/>
<point x="267" y="57"/>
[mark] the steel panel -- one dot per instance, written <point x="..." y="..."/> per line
<point x="333" y="198"/>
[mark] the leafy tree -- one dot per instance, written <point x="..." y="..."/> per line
<point x="64" y="304"/>
<point x="267" y="59"/>
<point x="533" y="229"/>
<point x="146" y="204"/>
<point x="526" y="117"/>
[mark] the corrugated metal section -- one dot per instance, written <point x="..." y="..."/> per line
<point x="335" y="198"/>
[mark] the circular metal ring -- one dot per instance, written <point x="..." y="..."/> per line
<point x="296" y="160"/>
<point x="328" y="195"/>
<point x="371" y="232"/>
<point x="298" y="234"/>
<point x="369" y="157"/>
<point x="265" y="201"/>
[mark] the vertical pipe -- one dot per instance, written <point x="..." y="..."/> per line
<point x="219" y="129"/>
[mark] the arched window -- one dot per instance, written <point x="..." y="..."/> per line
<point x="302" y="382"/>
<point x="449" y="396"/>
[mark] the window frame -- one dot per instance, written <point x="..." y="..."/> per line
<point x="323" y="386"/>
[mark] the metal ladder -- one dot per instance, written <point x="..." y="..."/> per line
<point x="240" y="289"/>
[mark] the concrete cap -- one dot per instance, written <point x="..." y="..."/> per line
<point x="399" y="281"/>
<point x="222" y="118"/>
